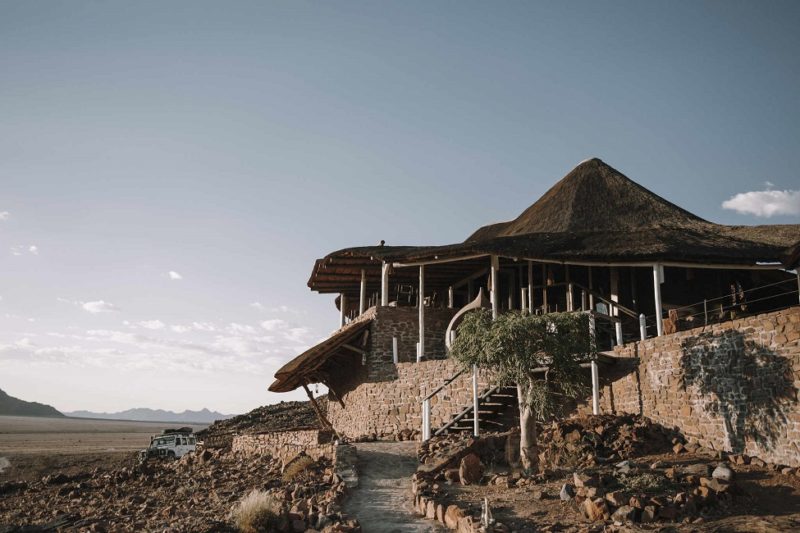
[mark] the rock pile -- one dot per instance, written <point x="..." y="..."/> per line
<point x="590" y="440"/>
<point x="628" y="492"/>
<point x="195" y="493"/>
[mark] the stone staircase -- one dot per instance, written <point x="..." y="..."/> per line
<point x="497" y="411"/>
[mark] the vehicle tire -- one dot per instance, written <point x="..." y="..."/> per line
<point x="171" y="455"/>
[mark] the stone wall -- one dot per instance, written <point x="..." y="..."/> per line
<point x="385" y="408"/>
<point x="403" y="323"/>
<point x="285" y="445"/>
<point x="730" y="386"/>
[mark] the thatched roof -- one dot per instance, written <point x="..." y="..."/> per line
<point x="595" y="214"/>
<point x="310" y="366"/>
<point x="593" y="197"/>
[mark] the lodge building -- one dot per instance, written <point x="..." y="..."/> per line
<point x="595" y="242"/>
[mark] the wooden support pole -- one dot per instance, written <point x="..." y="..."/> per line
<point x="450" y="297"/>
<point x="421" y="349"/>
<point x="530" y="286"/>
<point x="614" y="284"/>
<point x="385" y="284"/>
<point x="595" y="388"/>
<point x="342" y="312"/>
<point x="362" y="302"/>
<point x="495" y="280"/>
<point x="570" y="294"/>
<point x="657" y="293"/>
<point x="512" y="283"/>
<point x="544" y="289"/>
<point x="591" y="289"/>
<point x="323" y="420"/>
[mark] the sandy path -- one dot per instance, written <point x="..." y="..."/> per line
<point x="382" y="502"/>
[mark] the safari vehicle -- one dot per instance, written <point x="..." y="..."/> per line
<point x="171" y="444"/>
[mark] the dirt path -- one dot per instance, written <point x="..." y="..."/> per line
<point x="382" y="502"/>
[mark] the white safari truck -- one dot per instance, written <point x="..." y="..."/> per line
<point x="171" y="444"/>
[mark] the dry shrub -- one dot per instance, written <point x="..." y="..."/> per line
<point x="258" y="512"/>
<point x="296" y="466"/>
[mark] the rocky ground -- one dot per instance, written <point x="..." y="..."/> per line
<point x="195" y="493"/>
<point x="607" y="474"/>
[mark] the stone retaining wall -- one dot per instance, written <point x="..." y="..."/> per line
<point x="285" y="445"/>
<point x="383" y="409"/>
<point x="731" y="386"/>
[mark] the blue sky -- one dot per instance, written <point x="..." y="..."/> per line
<point x="234" y="143"/>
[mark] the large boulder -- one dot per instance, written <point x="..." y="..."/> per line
<point x="470" y="470"/>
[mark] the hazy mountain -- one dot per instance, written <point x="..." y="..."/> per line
<point x="155" y="415"/>
<point x="16" y="407"/>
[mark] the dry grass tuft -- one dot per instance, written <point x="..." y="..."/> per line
<point x="296" y="467"/>
<point x="258" y="512"/>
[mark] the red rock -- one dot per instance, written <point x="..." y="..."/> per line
<point x="452" y="516"/>
<point x="470" y="470"/>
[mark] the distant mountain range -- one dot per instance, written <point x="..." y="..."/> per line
<point x="204" y="416"/>
<point x="11" y="406"/>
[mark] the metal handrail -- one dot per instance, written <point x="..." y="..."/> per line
<point x="443" y="385"/>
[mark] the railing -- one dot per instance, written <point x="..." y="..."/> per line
<point x="715" y="310"/>
<point x="426" y="402"/>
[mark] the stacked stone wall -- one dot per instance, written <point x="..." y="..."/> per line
<point x="385" y="408"/>
<point x="402" y="323"/>
<point x="731" y="386"/>
<point x="285" y="445"/>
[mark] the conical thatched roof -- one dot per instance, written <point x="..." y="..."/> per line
<point x="593" y="197"/>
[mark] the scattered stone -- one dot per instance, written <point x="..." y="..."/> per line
<point x="470" y="470"/>
<point x="452" y="516"/>
<point x="583" y="480"/>
<point x="616" y="498"/>
<point x="648" y="514"/>
<point x="724" y="473"/>
<point x="594" y="509"/>
<point x="624" y="467"/>
<point x="624" y="513"/>
<point x="567" y="492"/>
<point x="697" y="469"/>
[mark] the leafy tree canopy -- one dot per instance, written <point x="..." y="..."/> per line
<point x="515" y="344"/>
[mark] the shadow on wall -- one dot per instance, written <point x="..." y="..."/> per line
<point x="747" y="385"/>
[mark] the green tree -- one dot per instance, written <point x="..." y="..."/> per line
<point x="540" y="354"/>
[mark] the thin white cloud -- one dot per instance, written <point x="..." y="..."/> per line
<point x="235" y="328"/>
<point x="152" y="324"/>
<point x="21" y="249"/>
<point x="766" y="203"/>
<point x="4" y="215"/>
<point x="274" y="324"/>
<point x="174" y="275"/>
<point x="257" y="305"/>
<point x="179" y="328"/>
<point x="99" y="306"/>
